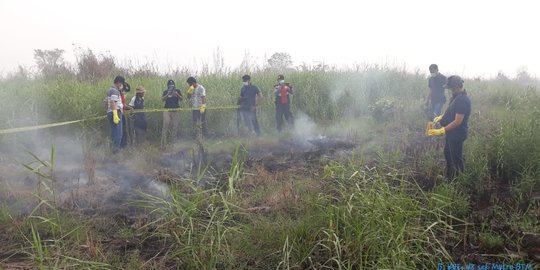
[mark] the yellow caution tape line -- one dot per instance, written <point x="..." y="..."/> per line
<point x="30" y="128"/>
<point x="180" y="109"/>
<point x="21" y="129"/>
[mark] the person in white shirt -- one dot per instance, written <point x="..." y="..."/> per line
<point x="197" y="95"/>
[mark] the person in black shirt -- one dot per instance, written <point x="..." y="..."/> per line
<point x="139" y="119"/>
<point x="435" y="99"/>
<point x="250" y="97"/>
<point x="172" y="97"/>
<point x="455" y="125"/>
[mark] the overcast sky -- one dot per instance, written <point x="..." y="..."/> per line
<point x="468" y="37"/>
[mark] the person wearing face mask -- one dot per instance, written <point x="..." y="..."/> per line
<point x="139" y="119"/>
<point x="172" y="97"/>
<point x="283" y="92"/>
<point x="455" y="126"/>
<point x="435" y="99"/>
<point x="250" y="97"/>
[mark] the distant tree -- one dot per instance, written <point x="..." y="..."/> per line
<point x="280" y="61"/>
<point x="50" y="62"/>
<point x="501" y="76"/>
<point x="91" y="67"/>
<point x="522" y="75"/>
<point x="248" y="64"/>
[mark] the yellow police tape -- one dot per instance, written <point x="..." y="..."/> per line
<point x="22" y="129"/>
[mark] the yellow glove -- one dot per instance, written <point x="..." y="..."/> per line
<point x="437" y="119"/>
<point x="190" y="90"/>
<point x="436" y="132"/>
<point x="203" y="108"/>
<point x="115" y="119"/>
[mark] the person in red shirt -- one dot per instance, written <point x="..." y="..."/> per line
<point x="126" y="88"/>
<point x="283" y="92"/>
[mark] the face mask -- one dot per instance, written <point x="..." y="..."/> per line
<point x="433" y="74"/>
<point x="246" y="83"/>
<point x="281" y="81"/>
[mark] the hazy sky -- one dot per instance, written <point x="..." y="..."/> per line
<point x="469" y="37"/>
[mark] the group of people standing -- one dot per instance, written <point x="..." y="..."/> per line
<point x="116" y="108"/>
<point x="250" y="98"/>
<point x="453" y="122"/>
<point x="172" y="96"/>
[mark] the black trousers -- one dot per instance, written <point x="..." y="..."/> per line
<point x="250" y="119"/>
<point x="124" y="141"/>
<point x="453" y="153"/>
<point x="283" y="111"/>
<point x="199" y="121"/>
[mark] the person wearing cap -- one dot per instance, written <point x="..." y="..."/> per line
<point x="197" y="95"/>
<point x="114" y="112"/>
<point x="283" y="92"/>
<point x="139" y="118"/>
<point x="172" y="97"/>
<point x="435" y="99"/>
<point x="250" y="97"/>
<point x="455" y="125"/>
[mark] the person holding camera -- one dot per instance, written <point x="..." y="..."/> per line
<point x="172" y="97"/>
<point x="283" y="92"/>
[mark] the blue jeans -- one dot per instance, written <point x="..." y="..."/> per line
<point x="436" y="108"/>
<point x="250" y="118"/>
<point x="116" y="130"/>
<point x="199" y="121"/>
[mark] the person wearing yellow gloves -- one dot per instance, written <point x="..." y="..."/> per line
<point x="455" y="126"/>
<point x="197" y="95"/>
<point x="114" y="112"/>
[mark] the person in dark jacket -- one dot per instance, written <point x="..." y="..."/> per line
<point x="435" y="99"/>
<point x="455" y="125"/>
<point x="250" y="97"/>
<point x="139" y="119"/>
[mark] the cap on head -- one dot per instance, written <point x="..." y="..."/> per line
<point x="454" y="82"/>
<point x="191" y="80"/>
<point x="280" y="77"/>
<point x="140" y="89"/>
<point x="170" y="83"/>
<point x="119" y="79"/>
<point x="246" y="78"/>
<point x="433" y="68"/>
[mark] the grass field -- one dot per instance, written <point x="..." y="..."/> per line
<point x="274" y="202"/>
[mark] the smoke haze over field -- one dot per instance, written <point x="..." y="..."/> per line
<point x="478" y="38"/>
